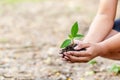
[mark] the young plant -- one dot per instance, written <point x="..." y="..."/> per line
<point x="73" y="35"/>
<point x="115" y="69"/>
<point x="92" y="62"/>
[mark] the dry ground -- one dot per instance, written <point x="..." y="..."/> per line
<point x="30" y="36"/>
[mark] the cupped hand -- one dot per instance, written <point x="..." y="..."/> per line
<point x="92" y="50"/>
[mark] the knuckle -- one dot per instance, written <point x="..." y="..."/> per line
<point x="88" y="59"/>
<point x="77" y="53"/>
<point x="89" y="53"/>
<point x="71" y="52"/>
<point x="72" y="61"/>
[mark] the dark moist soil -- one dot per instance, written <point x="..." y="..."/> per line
<point x="69" y="48"/>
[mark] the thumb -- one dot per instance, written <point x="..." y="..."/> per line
<point x="78" y="42"/>
<point x="77" y="47"/>
<point x="82" y="45"/>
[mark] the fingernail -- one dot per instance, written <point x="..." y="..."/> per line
<point x="76" y="47"/>
<point x="64" y="53"/>
<point x="66" y="57"/>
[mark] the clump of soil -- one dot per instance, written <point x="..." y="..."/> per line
<point x="70" y="48"/>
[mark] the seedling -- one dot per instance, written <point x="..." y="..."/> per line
<point x="115" y="69"/>
<point x="92" y="62"/>
<point x="68" y="44"/>
<point x="73" y="35"/>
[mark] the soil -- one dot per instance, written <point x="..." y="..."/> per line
<point x="69" y="48"/>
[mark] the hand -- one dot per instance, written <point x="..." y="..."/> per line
<point x="92" y="50"/>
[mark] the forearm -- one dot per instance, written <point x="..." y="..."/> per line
<point x="112" y="44"/>
<point x="99" y="29"/>
<point x="103" y="22"/>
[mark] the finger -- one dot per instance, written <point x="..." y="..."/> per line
<point x="66" y="58"/>
<point x="74" y="59"/>
<point x="77" y="41"/>
<point x="82" y="45"/>
<point x="77" y="47"/>
<point x="77" y="53"/>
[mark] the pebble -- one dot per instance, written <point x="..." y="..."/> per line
<point x="2" y="78"/>
<point x="9" y="75"/>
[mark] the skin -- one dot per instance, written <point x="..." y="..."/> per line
<point x="104" y="42"/>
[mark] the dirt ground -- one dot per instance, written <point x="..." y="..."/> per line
<point x="30" y="36"/>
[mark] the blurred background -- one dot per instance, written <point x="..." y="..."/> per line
<point x="31" y="32"/>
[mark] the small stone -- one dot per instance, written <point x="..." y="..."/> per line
<point x="47" y="61"/>
<point x="2" y="78"/>
<point x="89" y="73"/>
<point x="57" y="73"/>
<point x="82" y="79"/>
<point x="2" y="62"/>
<point x="69" y="78"/>
<point x="3" y="71"/>
<point x="51" y="51"/>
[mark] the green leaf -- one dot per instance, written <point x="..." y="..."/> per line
<point x="115" y="68"/>
<point x="66" y="43"/>
<point x="92" y="62"/>
<point x="74" y="29"/>
<point x="79" y="36"/>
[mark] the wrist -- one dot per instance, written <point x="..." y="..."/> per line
<point x="104" y="48"/>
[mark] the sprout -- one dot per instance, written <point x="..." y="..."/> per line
<point x="73" y="35"/>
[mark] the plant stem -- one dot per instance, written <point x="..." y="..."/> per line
<point x="72" y="40"/>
